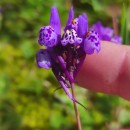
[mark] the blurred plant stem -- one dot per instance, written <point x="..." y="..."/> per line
<point x="115" y="25"/>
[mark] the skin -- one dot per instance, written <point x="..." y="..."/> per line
<point x="108" y="71"/>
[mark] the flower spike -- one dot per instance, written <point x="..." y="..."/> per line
<point x="65" y="54"/>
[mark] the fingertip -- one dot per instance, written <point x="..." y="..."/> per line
<point x="100" y="72"/>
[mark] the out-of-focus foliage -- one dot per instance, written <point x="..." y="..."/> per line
<point x="27" y="101"/>
<point x="124" y="29"/>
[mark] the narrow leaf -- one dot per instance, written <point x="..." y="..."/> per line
<point x="124" y="29"/>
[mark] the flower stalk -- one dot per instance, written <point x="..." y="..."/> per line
<point x="76" y="109"/>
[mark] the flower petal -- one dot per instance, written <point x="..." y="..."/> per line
<point x="116" y="39"/>
<point x="85" y="16"/>
<point x="105" y="33"/>
<point x="70" y="18"/>
<point x="71" y="37"/>
<point x="92" y="42"/>
<point x="108" y="31"/>
<point x="47" y="36"/>
<point x="43" y="59"/>
<point x="63" y="66"/>
<point x="82" y="25"/>
<point x="55" y="20"/>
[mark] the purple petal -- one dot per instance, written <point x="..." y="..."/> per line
<point x="47" y="36"/>
<point x="98" y="28"/>
<point x="63" y="66"/>
<point x="105" y="33"/>
<point x="66" y="90"/>
<point x="70" y="18"/>
<point x="82" y="26"/>
<point x="91" y="43"/>
<point x="116" y="39"/>
<point x="106" y="38"/>
<point x="108" y="31"/>
<point x="43" y="59"/>
<point x="85" y="16"/>
<point x="55" y="20"/>
<point x="71" y="37"/>
<point x="78" y="41"/>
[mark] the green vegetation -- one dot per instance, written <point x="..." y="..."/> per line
<point x="27" y="101"/>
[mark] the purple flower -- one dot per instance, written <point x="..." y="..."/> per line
<point x="106" y="33"/>
<point x="49" y="35"/>
<point x="92" y="42"/>
<point x="65" y="54"/>
<point x="116" y="39"/>
<point x="43" y="59"/>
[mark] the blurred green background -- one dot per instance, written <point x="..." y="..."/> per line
<point x="27" y="98"/>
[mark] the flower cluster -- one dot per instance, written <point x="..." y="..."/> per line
<point x="64" y="54"/>
<point x="106" y="33"/>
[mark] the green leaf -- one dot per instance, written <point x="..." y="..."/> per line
<point x="124" y="31"/>
<point x="97" y="5"/>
